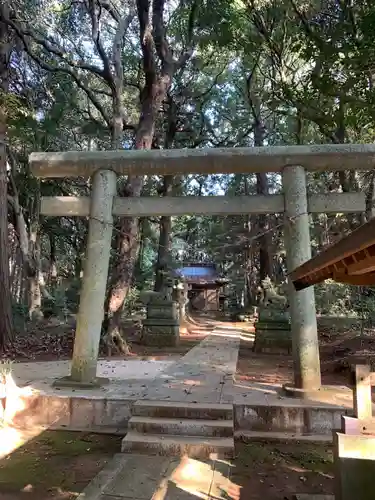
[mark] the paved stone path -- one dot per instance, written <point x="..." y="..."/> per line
<point x="140" y="477"/>
<point x="203" y="375"/>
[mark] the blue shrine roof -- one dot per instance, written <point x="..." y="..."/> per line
<point x="198" y="273"/>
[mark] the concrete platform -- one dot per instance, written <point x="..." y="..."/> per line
<point x="201" y="376"/>
<point x="204" y="376"/>
<point x="128" y="377"/>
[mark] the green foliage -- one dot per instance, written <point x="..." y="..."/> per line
<point x="337" y="299"/>
<point x="131" y="303"/>
<point x="298" y="77"/>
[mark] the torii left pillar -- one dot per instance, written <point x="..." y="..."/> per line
<point x="95" y="274"/>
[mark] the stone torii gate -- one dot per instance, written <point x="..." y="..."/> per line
<point x="291" y="161"/>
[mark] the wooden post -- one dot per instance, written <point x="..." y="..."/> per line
<point x="354" y="459"/>
<point x="302" y="304"/>
<point x="362" y="401"/>
<point x="91" y="306"/>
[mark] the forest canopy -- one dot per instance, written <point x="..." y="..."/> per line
<point x="159" y="74"/>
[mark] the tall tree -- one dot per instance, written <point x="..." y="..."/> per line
<point x="159" y="67"/>
<point x="6" y="323"/>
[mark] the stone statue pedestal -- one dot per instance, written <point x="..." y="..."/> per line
<point x="162" y="325"/>
<point x="273" y="331"/>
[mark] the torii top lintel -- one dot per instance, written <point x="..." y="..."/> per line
<point x="317" y="157"/>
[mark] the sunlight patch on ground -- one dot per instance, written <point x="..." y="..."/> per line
<point x="200" y="480"/>
<point x="247" y="337"/>
<point x="225" y="334"/>
<point x="14" y="401"/>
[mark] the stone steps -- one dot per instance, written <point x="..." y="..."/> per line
<point x="181" y="427"/>
<point x="170" y="409"/>
<point x="193" y="446"/>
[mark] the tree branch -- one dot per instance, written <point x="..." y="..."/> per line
<point x="162" y="47"/>
<point x="95" y="34"/>
<point x="122" y="28"/>
<point x="53" y="48"/>
<point x="69" y="71"/>
<point x="185" y="56"/>
<point x="111" y="9"/>
<point x="147" y="42"/>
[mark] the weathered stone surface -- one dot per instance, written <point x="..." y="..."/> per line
<point x="170" y="409"/>
<point x="272" y="325"/>
<point x="273" y="329"/>
<point x="302" y="303"/>
<point x="106" y="476"/>
<point x="114" y="412"/>
<point x="162" y="325"/>
<point x="160" y="322"/>
<point x="181" y="427"/>
<point x="161" y="338"/>
<point x="162" y="311"/>
<point x="315" y="157"/>
<point x="271" y="314"/>
<point x="92" y="297"/>
<point x="272" y="340"/>
<point x="83" y="412"/>
<point x="177" y="445"/>
<point x="269" y="418"/>
<point x="138" y="478"/>
<point x="58" y="410"/>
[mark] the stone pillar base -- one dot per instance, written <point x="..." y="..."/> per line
<point x="324" y="393"/>
<point x="159" y="340"/>
<point x="274" y="341"/>
<point x="68" y="382"/>
<point x="159" y="332"/>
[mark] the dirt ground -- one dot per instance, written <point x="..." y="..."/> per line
<point x="52" y="339"/>
<point x="56" y="465"/>
<point x="56" y="343"/>
<point x="276" y="471"/>
<point x="338" y="351"/>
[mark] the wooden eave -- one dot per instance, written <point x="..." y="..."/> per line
<point x="351" y="260"/>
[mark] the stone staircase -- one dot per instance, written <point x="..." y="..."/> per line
<point x="176" y="429"/>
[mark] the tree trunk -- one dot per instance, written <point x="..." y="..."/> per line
<point x="127" y="241"/>
<point x="138" y="271"/>
<point x="153" y="94"/>
<point x="265" y="267"/>
<point x="164" y="248"/>
<point x="6" y="319"/>
<point x="52" y="275"/>
<point x="265" y="262"/>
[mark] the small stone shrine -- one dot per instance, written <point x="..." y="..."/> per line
<point x="162" y="325"/>
<point x="273" y="327"/>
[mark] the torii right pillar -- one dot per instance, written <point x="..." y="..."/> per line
<point x="307" y="378"/>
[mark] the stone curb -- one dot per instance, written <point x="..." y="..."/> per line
<point x="95" y="489"/>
